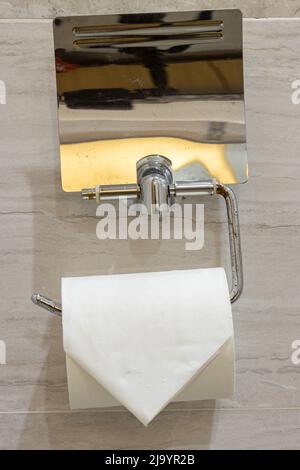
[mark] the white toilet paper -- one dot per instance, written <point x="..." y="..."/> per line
<point x="143" y="340"/>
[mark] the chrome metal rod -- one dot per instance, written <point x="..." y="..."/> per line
<point x="110" y="192"/>
<point x="194" y="188"/>
<point x="234" y="241"/>
<point x="47" y="304"/>
<point x="211" y="187"/>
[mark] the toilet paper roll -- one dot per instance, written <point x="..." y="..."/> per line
<point x="144" y="340"/>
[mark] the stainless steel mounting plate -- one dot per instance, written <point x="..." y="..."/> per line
<point x="132" y="85"/>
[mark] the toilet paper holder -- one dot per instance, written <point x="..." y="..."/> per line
<point x="156" y="189"/>
<point x="166" y="85"/>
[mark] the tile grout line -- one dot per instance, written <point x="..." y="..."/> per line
<point x="25" y="20"/>
<point x="181" y="410"/>
<point x="50" y="19"/>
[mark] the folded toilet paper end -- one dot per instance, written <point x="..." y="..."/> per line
<point x="144" y="351"/>
<point x="145" y="355"/>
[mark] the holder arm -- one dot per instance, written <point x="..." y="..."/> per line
<point x="237" y="277"/>
<point x="193" y="189"/>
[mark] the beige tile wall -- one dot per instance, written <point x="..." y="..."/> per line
<point x="45" y="234"/>
<point x="52" y="8"/>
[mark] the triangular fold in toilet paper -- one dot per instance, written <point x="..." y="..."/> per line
<point x="214" y="381"/>
<point x="145" y="336"/>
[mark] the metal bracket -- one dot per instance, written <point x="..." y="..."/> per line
<point x="156" y="189"/>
